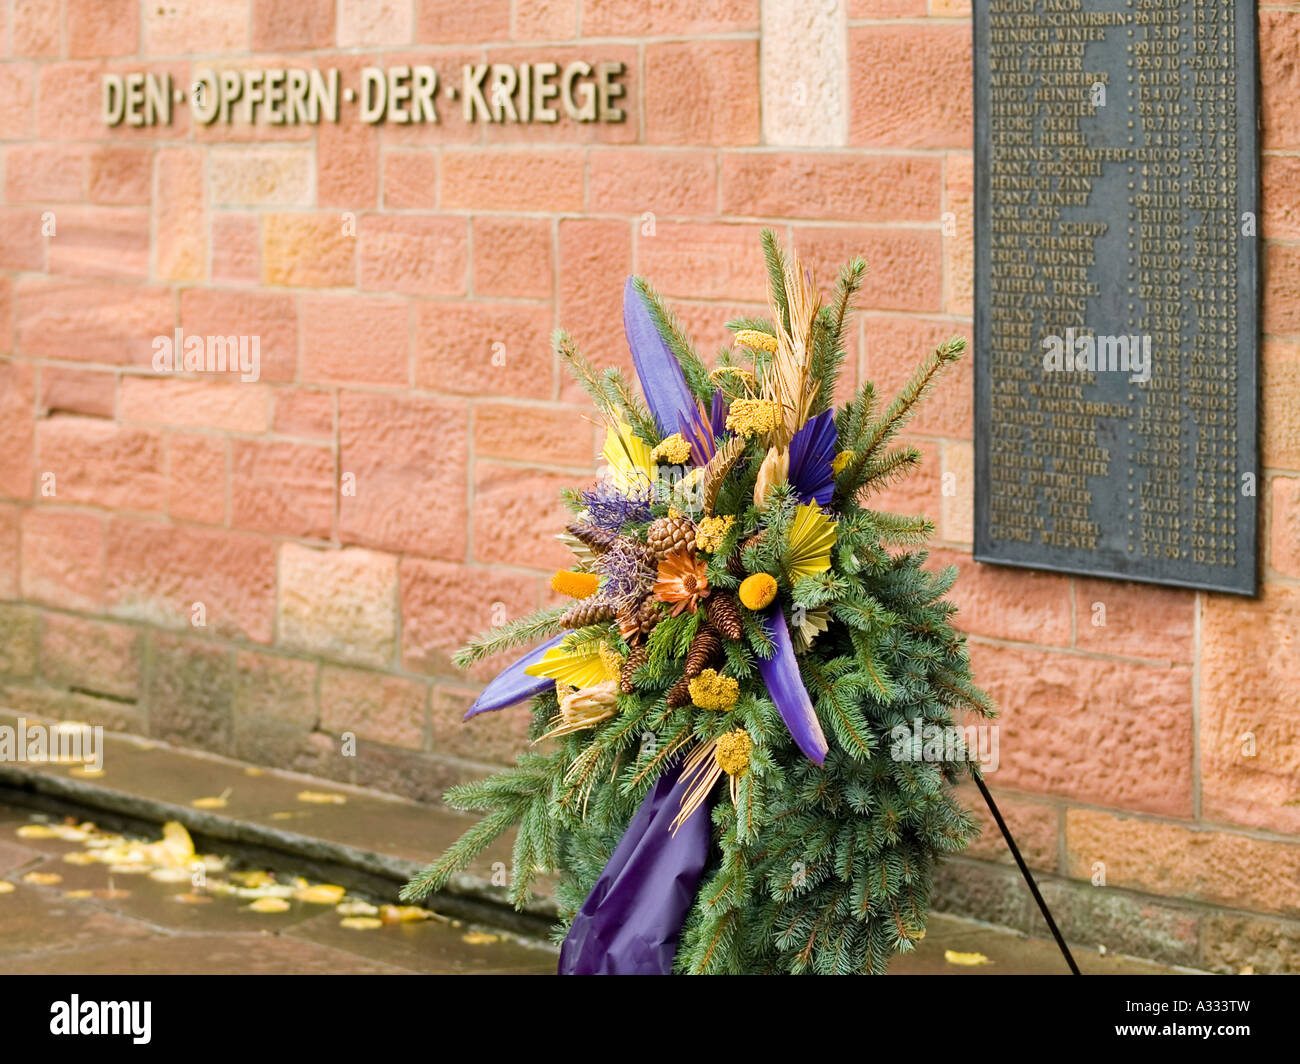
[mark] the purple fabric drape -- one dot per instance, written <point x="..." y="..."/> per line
<point x="631" y="920"/>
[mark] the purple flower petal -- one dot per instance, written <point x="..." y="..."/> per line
<point x="657" y="368"/>
<point x="781" y="674"/>
<point x="515" y="685"/>
<point x="811" y="452"/>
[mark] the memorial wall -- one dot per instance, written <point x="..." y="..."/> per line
<point x="1101" y="196"/>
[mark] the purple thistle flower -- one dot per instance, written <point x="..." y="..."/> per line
<point x="627" y="571"/>
<point x="610" y="507"/>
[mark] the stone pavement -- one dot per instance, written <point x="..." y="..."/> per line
<point x="62" y="912"/>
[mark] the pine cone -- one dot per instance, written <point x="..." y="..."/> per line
<point x="635" y="659"/>
<point x="641" y="621"/>
<point x="724" y="615"/>
<point x="679" y="694"/>
<point x="585" y="612"/>
<point x="668" y="534"/>
<point x="598" y="539"/>
<point x="705" y="649"/>
<point x="736" y="562"/>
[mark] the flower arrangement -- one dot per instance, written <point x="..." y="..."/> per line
<point x="732" y="601"/>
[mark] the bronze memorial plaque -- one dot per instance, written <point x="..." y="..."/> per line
<point x="1116" y="289"/>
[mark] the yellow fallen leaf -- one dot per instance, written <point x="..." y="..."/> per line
<point x="479" y="938"/>
<point x="283" y="816"/>
<point x="1247" y="970"/>
<point x="78" y="893"/>
<point x="42" y="879"/>
<point x="269" y="905"/>
<point x="966" y="960"/>
<point x="37" y="831"/>
<point x="6" y="887"/>
<point x="86" y="772"/>
<point x="401" y="914"/>
<point x="361" y="923"/>
<point x="80" y="857"/>
<point x="216" y="802"/>
<point x="189" y="898"/>
<point x="321" y="798"/>
<point x="321" y="894"/>
<point x="356" y="908"/>
<point x="68" y="833"/>
<point x="176" y="843"/>
<point x="253" y="770"/>
<point x="170" y="875"/>
<point x="128" y="869"/>
<point x="253" y="879"/>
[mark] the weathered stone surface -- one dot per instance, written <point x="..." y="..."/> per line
<point x="1214" y="866"/>
<point x="190" y="693"/>
<point x="267" y="685"/>
<point x="1249" y="731"/>
<point x="93" y="656"/>
<point x="377" y="708"/>
<point x="18" y="641"/>
<point x="1231" y="943"/>
<point x="1105" y="732"/>
<point x="339" y="604"/>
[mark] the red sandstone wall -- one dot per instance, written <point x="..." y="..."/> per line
<point x="328" y="613"/>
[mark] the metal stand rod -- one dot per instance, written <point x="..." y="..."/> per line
<point x="1024" y="871"/>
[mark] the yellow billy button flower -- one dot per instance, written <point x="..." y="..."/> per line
<point x="674" y="450"/>
<point x="733" y="752"/>
<point x="756" y="340"/>
<point x="710" y="532"/>
<point x="710" y="690"/>
<point x="748" y="417"/>
<point x="758" y="591"/>
<point x="840" y="461"/>
<point x="575" y="585"/>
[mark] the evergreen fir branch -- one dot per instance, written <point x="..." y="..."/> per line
<point x="909" y="531"/>
<point x="774" y="256"/>
<point x="829" y="348"/>
<point x="901" y="409"/>
<point x="541" y="624"/>
<point x="618" y="390"/>
<point x="670" y="328"/>
<point x="460" y="854"/>
<point x="879" y="473"/>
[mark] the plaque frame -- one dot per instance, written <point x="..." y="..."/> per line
<point x="1243" y="577"/>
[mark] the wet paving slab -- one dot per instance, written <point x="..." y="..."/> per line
<point x="97" y="919"/>
<point x="63" y="912"/>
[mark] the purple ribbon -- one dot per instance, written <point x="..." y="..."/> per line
<point x="632" y="919"/>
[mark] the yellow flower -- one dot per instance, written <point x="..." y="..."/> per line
<point x="840" y="461"/>
<point x="612" y="658"/>
<point x="710" y="532"/>
<point x="710" y="690"/>
<point x="733" y="751"/>
<point x="739" y="372"/>
<point x="750" y="416"/>
<point x="758" y="591"/>
<point x="758" y="341"/>
<point x="575" y="585"/>
<point x="673" y="449"/>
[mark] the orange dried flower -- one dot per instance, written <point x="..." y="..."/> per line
<point x="682" y="581"/>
